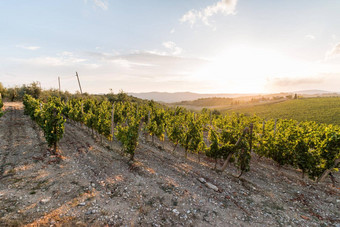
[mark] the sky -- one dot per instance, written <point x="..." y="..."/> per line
<point x="203" y="46"/>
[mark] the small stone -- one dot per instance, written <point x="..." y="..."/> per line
<point x="81" y="204"/>
<point x="202" y="180"/>
<point x="211" y="186"/>
<point x="175" y="211"/>
<point x="44" y="201"/>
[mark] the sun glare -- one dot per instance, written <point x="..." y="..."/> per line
<point x="251" y="67"/>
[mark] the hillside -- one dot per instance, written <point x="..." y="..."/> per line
<point x="168" y="97"/>
<point x="94" y="186"/>
<point x="322" y="110"/>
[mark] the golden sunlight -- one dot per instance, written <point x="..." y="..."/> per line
<point x="251" y="66"/>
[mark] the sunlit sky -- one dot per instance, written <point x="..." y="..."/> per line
<point x="204" y="46"/>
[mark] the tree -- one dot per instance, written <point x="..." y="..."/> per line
<point x="2" y="90"/>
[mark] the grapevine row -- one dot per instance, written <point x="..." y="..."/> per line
<point x="312" y="148"/>
<point x="48" y="116"/>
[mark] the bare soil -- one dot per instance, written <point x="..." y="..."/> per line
<point x="93" y="185"/>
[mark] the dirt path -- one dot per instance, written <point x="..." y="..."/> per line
<point x="93" y="185"/>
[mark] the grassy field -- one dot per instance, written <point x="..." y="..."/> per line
<point x="321" y="110"/>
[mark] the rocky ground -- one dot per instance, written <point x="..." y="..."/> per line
<point x="93" y="185"/>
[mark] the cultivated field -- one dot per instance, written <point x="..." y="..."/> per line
<point x="93" y="185"/>
<point x="322" y="110"/>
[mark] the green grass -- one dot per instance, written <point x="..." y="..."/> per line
<point x="322" y="110"/>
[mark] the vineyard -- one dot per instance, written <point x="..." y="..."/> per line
<point x="201" y="168"/>
<point x="322" y="110"/>
<point x="312" y="148"/>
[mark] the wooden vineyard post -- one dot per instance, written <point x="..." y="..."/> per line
<point x="263" y="127"/>
<point x="328" y="171"/>
<point x="59" y="84"/>
<point x="251" y="136"/>
<point x="81" y="93"/>
<point x="275" y="126"/>
<point x="112" y="123"/>
<point x="149" y="120"/>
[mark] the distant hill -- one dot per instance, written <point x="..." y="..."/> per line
<point x="313" y="92"/>
<point x="180" y="96"/>
<point x="176" y="97"/>
<point x="319" y="109"/>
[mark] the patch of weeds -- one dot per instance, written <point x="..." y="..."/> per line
<point x="250" y="201"/>
<point x="16" y="180"/>
<point x="150" y="202"/>
<point x="247" y="218"/>
<point x="11" y="172"/>
<point x="74" y="182"/>
<point x="224" y="204"/>
<point x="160" y="199"/>
<point x="272" y="205"/>
<point x="143" y="210"/>
<point x="153" y="200"/>
<point x="74" y="203"/>
<point x="114" y="194"/>
<point x="174" y="202"/>
<point x="40" y="184"/>
<point x="14" y="223"/>
<point x="205" y="218"/>
<point x="167" y="188"/>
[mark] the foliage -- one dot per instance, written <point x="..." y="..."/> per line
<point x="48" y="116"/>
<point x="322" y="110"/>
<point x="1" y="105"/>
<point x="309" y="146"/>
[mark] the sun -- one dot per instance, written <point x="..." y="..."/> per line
<point x="244" y="69"/>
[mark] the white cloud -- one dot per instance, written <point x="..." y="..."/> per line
<point x="172" y="31"/>
<point x="225" y="7"/>
<point x="62" y="59"/>
<point x="28" y="47"/>
<point x="312" y="37"/>
<point x="173" y="48"/>
<point x="103" y="4"/>
<point x="334" y="52"/>
<point x="100" y="71"/>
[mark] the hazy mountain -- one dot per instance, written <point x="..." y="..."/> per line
<point x="190" y="96"/>
<point x="313" y="92"/>
<point x="180" y="96"/>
